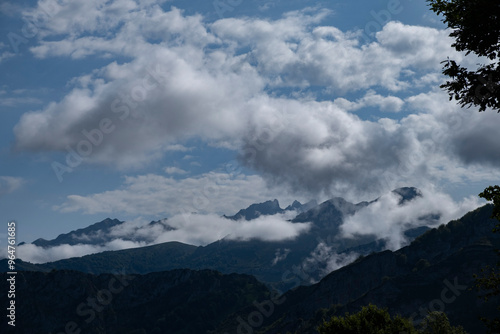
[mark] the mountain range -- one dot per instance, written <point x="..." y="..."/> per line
<point x="434" y="272"/>
<point x="266" y="260"/>
<point x="270" y="208"/>
<point x="97" y="234"/>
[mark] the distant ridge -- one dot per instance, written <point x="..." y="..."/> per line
<point x="97" y="234"/>
<point x="257" y="210"/>
<point x="265" y="260"/>
<point x="270" y="208"/>
<point x="88" y="234"/>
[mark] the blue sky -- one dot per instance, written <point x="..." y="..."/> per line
<point x="140" y="110"/>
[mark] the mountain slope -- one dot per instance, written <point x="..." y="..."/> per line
<point x="83" y="235"/>
<point x="257" y="210"/>
<point x="270" y="208"/>
<point x="179" y="301"/>
<point x="268" y="261"/>
<point x="434" y="272"/>
<point x="407" y="281"/>
<point x="100" y="233"/>
<point x="161" y="257"/>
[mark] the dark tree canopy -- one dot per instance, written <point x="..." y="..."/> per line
<point x="490" y="280"/>
<point x="476" y="29"/>
<point x="371" y="319"/>
<point x="492" y="193"/>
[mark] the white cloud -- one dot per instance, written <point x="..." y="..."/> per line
<point x="9" y="184"/>
<point x="323" y="260"/>
<point x="388" y="103"/>
<point x="303" y="53"/>
<point x="415" y="46"/>
<point x="56" y="18"/>
<point x="188" y="228"/>
<point x="387" y="220"/>
<point x="372" y="99"/>
<point x="35" y="254"/>
<point x="329" y="150"/>
<point x="165" y="196"/>
<point x="215" y="82"/>
<point x="203" y="229"/>
<point x="90" y="34"/>
<point x="175" y="170"/>
<point x="198" y="85"/>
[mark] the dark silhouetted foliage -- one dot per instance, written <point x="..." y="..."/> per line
<point x="372" y="319"/>
<point x="490" y="281"/>
<point x="475" y="26"/>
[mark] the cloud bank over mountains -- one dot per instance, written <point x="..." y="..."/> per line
<point x="386" y="218"/>
<point x="181" y="77"/>
<point x="188" y="228"/>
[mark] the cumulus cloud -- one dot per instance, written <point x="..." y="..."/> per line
<point x="371" y="99"/>
<point x="301" y="52"/>
<point x="389" y="103"/>
<point x="330" y="150"/>
<point x="156" y="195"/>
<point x="422" y="47"/>
<point x="219" y="81"/>
<point x="388" y="219"/>
<point x="63" y="17"/>
<point x="327" y="147"/>
<point x="188" y="228"/>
